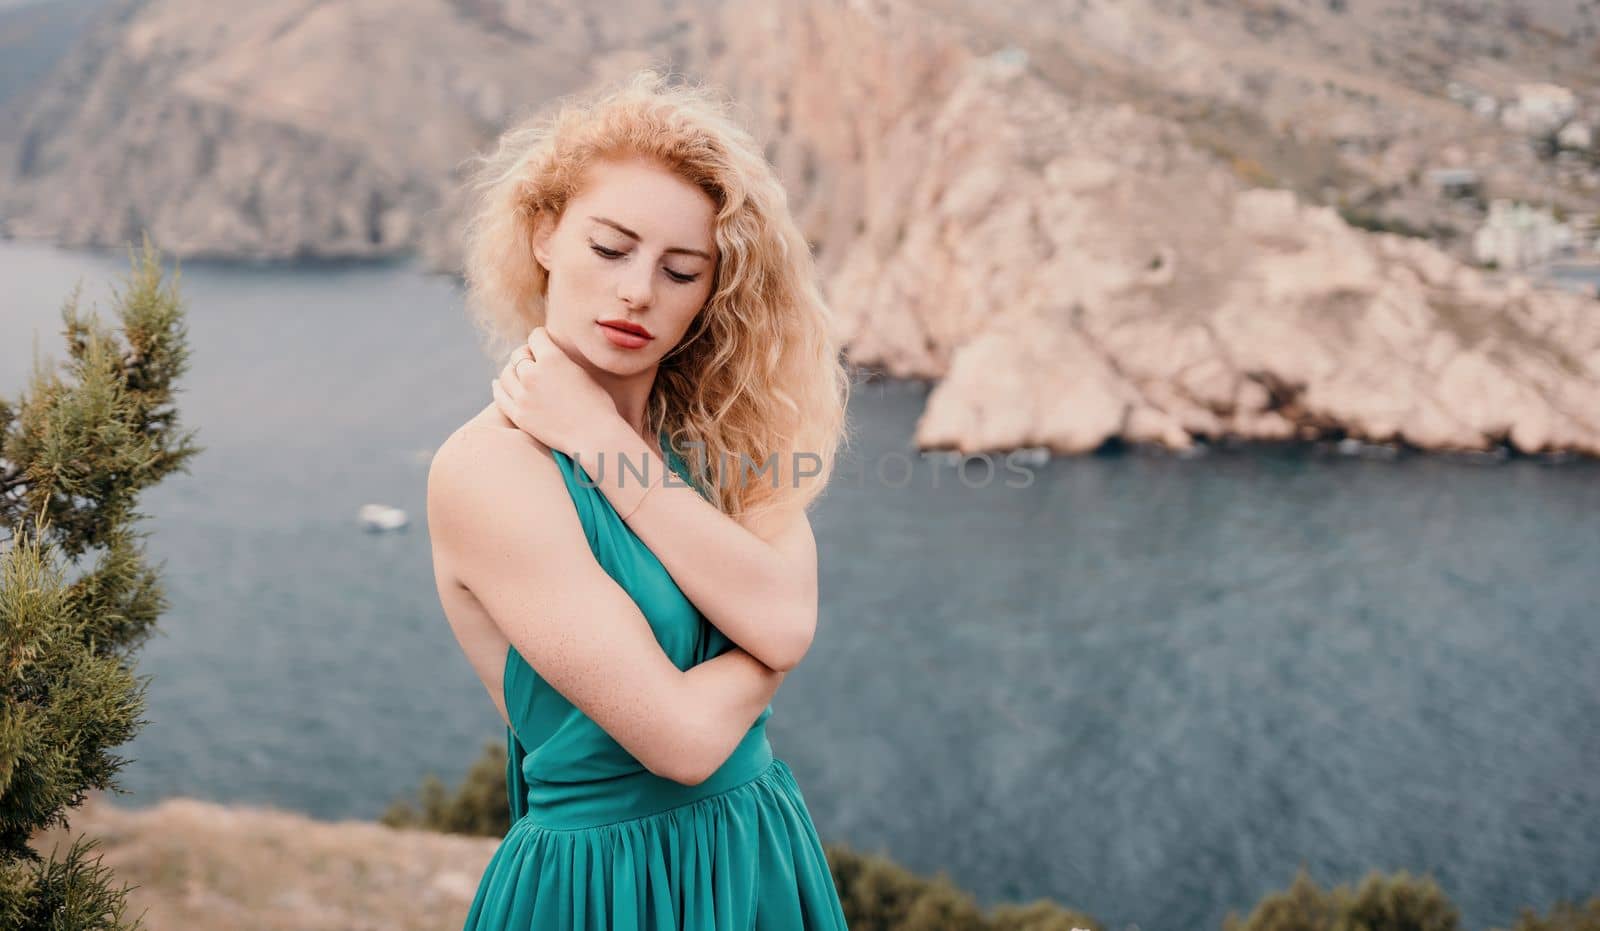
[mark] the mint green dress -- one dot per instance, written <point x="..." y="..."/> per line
<point x="599" y="842"/>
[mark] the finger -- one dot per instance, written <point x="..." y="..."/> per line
<point x="516" y="362"/>
<point x="504" y="399"/>
<point x="510" y="382"/>
<point x="501" y="401"/>
<point x="540" y="344"/>
<point x="518" y="354"/>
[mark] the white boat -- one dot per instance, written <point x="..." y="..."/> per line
<point x="377" y="518"/>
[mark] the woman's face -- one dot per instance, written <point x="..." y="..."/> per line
<point x="636" y="246"/>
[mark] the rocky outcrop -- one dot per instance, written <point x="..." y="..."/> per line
<point x="1071" y="272"/>
<point x="1070" y="261"/>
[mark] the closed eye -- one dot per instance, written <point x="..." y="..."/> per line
<point x="603" y="252"/>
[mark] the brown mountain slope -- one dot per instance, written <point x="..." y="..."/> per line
<point x="1062" y="231"/>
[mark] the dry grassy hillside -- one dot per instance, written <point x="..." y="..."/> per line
<point x="237" y="868"/>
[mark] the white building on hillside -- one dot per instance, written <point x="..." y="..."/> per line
<point x="1517" y="235"/>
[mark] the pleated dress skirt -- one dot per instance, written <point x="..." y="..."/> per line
<point x="599" y="843"/>
<point x="738" y="851"/>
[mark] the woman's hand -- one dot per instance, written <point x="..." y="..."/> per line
<point x="549" y="396"/>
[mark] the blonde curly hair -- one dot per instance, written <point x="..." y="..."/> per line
<point x="759" y="373"/>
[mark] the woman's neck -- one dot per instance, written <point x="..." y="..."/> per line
<point x="631" y="395"/>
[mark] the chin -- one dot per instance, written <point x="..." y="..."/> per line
<point x="628" y="365"/>
<point x="616" y="361"/>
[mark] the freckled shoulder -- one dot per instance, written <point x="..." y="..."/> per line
<point x="490" y="418"/>
<point x="484" y="460"/>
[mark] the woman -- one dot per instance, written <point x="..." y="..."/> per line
<point x="631" y="591"/>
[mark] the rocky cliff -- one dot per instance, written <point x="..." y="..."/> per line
<point x="1085" y="223"/>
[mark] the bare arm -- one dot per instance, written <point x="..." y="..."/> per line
<point x="756" y="583"/>
<point x="504" y="527"/>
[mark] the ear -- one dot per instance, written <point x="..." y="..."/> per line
<point x="542" y="230"/>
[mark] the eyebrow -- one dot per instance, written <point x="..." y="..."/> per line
<point x="630" y="233"/>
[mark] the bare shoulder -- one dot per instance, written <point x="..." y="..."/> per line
<point x="486" y="442"/>
<point x="491" y="421"/>
<point x="486" y="474"/>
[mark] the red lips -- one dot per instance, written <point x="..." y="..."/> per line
<point x="628" y="327"/>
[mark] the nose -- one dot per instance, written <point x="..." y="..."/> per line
<point x="636" y="286"/>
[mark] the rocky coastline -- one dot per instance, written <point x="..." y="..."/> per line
<point x="1073" y="266"/>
